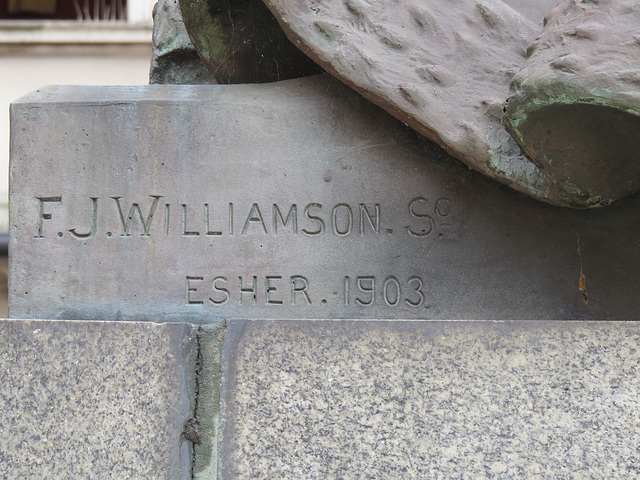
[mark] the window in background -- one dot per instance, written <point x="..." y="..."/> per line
<point x="80" y="10"/>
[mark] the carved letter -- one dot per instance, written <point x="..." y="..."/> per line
<point x="315" y="218"/>
<point x="430" y="224"/>
<point x="391" y="300"/>
<point x="295" y="288"/>
<point x="94" y="218"/>
<point x="206" y="219"/>
<point x="417" y="289"/>
<point x="190" y="289"/>
<point x="270" y="288"/>
<point x="146" y="224"/>
<point x="253" y="291"/>
<point x="219" y="289"/>
<point x="254" y="216"/>
<point x="42" y="215"/>
<point x="166" y="218"/>
<point x="371" y="289"/>
<point x="374" y="224"/>
<point x="292" y="215"/>
<point x="334" y="220"/>
<point x="443" y="207"/>
<point x="184" y="223"/>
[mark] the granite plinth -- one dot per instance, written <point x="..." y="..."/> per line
<point x="505" y="400"/>
<point x="307" y="399"/>
<point x="295" y="199"/>
<point x="95" y="399"/>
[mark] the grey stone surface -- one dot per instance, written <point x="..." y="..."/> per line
<point x="446" y="243"/>
<point x="174" y="59"/>
<point x="442" y="67"/>
<point x="505" y="400"/>
<point x="95" y="399"/>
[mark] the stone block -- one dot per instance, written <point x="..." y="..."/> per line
<point x="295" y="199"/>
<point x="95" y="399"/>
<point x="533" y="400"/>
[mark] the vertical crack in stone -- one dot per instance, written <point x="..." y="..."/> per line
<point x="206" y="401"/>
<point x="196" y="397"/>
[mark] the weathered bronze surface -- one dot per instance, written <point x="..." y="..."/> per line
<point x="575" y="106"/>
<point x="445" y="68"/>
<point x="241" y="42"/>
<point x="591" y="151"/>
<point x="441" y="67"/>
<point x="174" y="59"/>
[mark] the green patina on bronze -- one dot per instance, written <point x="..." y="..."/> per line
<point x="211" y="38"/>
<point x="586" y="144"/>
<point x="574" y="108"/>
<point x="241" y="42"/>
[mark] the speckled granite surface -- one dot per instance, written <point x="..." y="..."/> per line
<point x="99" y="400"/>
<point x="320" y="400"/>
<point x="343" y="400"/>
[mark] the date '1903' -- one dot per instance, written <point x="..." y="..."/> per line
<point x="369" y="290"/>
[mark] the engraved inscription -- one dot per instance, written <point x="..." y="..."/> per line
<point x="419" y="209"/>
<point x="368" y="290"/>
<point x="373" y="221"/>
<point x="344" y="212"/>
<point x="424" y="218"/>
<point x="156" y="220"/>
<point x="362" y="290"/>
<point x="185" y="230"/>
<point x="270" y="290"/>
<point x="219" y="290"/>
